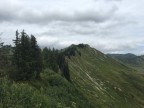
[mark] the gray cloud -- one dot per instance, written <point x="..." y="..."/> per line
<point x="104" y="45"/>
<point x="108" y="25"/>
<point x="44" y="17"/>
<point x="112" y="0"/>
<point x="1" y="33"/>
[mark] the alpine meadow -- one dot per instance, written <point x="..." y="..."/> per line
<point x="71" y="54"/>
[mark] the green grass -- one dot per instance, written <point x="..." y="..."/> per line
<point x="105" y="82"/>
<point x="52" y="91"/>
<point x="97" y="82"/>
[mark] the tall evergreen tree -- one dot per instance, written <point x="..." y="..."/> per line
<point x="66" y="71"/>
<point x="16" y="56"/>
<point x="1" y="56"/>
<point x="26" y="57"/>
<point x="50" y="58"/>
<point x="4" y="58"/>
<point x="45" y="54"/>
<point x="36" y="56"/>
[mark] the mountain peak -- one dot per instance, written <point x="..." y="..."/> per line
<point x="79" y="45"/>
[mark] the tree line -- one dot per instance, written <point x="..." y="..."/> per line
<point x="4" y="58"/>
<point x="55" y="60"/>
<point x="27" y="60"/>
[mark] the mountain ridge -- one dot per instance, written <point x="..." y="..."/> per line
<point x="130" y="60"/>
<point x="98" y="73"/>
<point x="96" y="81"/>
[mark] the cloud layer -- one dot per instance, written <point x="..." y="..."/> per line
<point x="32" y="16"/>
<point x="111" y="26"/>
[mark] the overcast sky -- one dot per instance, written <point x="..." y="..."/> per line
<point x="111" y="26"/>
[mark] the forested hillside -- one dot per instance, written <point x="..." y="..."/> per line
<point x="31" y="77"/>
<point x="75" y="77"/>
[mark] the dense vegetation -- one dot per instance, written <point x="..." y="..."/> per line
<point x="4" y="58"/>
<point x="29" y="77"/>
<point x="105" y="82"/>
<point x="55" y="60"/>
<point x="52" y="91"/>
<point x="26" y="58"/>
<point x="75" y="77"/>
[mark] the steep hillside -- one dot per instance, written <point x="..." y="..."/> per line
<point x="96" y="81"/>
<point x="105" y="82"/>
<point x="52" y="91"/>
<point x="131" y="60"/>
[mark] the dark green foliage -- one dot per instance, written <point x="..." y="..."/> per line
<point x="52" y="91"/>
<point x="53" y="59"/>
<point x="97" y="80"/>
<point x="61" y="91"/>
<point x="71" y="51"/>
<point x="66" y="71"/>
<point x="1" y="52"/>
<point x="1" y="55"/>
<point x="26" y="57"/>
<point x="68" y="52"/>
<point x="46" y="56"/>
<point x="36" y="57"/>
<point x="63" y="65"/>
<point x="4" y="58"/>
<point x="56" y="60"/>
<point x="82" y="45"/>
<point x="21" y="95"/>
<point x="50" y="58"/>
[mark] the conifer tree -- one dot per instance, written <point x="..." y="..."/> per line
<point x="45" y="54"/>
<point x="26" y="57"/>
<point x="66" y="71"/>
<point x="1" y="58"/>
<point x="36" y="56"/>
<point x="50" y="59"/>
<point x="16" y="56"/>
<point x="4" y="58"/>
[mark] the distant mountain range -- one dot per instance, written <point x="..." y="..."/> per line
<point x="129" y="60"/>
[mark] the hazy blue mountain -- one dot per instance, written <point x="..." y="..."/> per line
<point x="129" y="59"/>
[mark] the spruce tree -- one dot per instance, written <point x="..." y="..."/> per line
<point x="4" y="58"/>
<point x="45" y="57"/>
<point x="16" y="57"/>
<point x="36" y="57"/>
<point x="50" y="58"/>
<point x="66" y="71"/>
<point x="27" y="57"/>
<point x="1" y="57"/>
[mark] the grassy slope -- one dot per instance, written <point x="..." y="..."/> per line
<point x="52" y="91"/>
<point x="97" y="80"/>
<point x="105" y="82"/>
